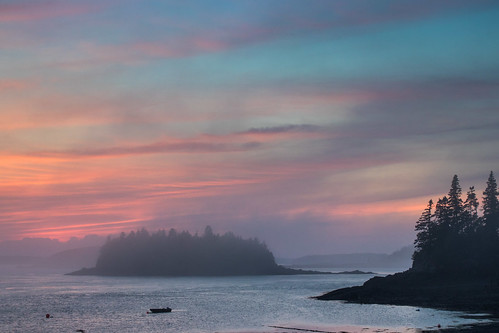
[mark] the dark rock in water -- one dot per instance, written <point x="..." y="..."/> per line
<point x="84" y="271"/>
<point x="354" y="272"/>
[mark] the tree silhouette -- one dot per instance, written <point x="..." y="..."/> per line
<point x="471" y="211"/>
<point x="454" y="238"/>
<point x="425" y="240"/>
<point x="491" y="204"/>
<point x="455" y="206"/>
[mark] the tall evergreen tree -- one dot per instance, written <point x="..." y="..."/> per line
<point x="472" y="221"/>
<point x="424" y="228"/>
<point x="425" y="239"/>
<point x="491" y="224"/>
<point x="471" y="204"/>
<point x="444" y="234"/>
<point x="490" y="200"/>
<point x="455" y="206"/>
<point x="443" y="214"/>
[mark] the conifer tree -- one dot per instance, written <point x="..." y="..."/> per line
<point x="491" y="224"/>
<point x="471" y="204"/>
<point x="424" y="228"/>
<point x="490" y="200"/>
<point x="455" y="206"/>
<point x="472" y="221"/>
<point x="425" y="238"/>
<point x="443" y="214"/>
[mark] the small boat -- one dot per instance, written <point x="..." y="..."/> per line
<point x="161" y="310"/>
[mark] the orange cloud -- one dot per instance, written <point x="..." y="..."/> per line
<point x="64" y="233"/>
<point x="406" y="209"/>
<point x="14" y="85"/>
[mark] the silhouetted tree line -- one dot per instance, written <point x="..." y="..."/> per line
<point x="453" y="237"/>
<point x="182" y="254"/>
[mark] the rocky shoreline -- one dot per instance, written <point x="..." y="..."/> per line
<point x="492" y="327"/>
<point x="441" y="291"/>
<point x="449" y="292"/>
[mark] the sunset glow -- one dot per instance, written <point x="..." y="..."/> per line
<point x="282" y="120"/>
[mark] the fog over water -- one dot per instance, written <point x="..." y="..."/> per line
<point x="33" y="254"/>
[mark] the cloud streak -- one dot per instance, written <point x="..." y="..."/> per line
<point x="301" y="128"/>
<point x="27" y="11"/>
<point x="162" y="147"/>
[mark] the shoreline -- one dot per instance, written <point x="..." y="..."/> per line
<point x="445" y="292"/>
<point x="491" y="327"/>
<point x="475" y="297"/>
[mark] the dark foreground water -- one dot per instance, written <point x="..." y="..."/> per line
<point x="119" y="304"/>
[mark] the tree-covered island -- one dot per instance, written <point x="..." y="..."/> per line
<point x="456" y="260"/>
<point x="175" y="253"/>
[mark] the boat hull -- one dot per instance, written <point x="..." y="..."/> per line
<point x="161" y="310"/>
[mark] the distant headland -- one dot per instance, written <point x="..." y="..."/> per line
<point x="456" y="261"/>
<point x="182" y="254"/>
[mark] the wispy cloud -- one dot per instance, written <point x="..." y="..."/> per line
<point x="302" y="128"/>
<point x="262" y="22"/>
<point x="153" y="148"/>
<point x="28" y="11"/>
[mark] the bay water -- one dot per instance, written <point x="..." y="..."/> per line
<point x="200" y="304"/>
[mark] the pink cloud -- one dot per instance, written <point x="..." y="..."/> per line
<point x="43" y="109"/>
<point x="73" y="197"/>
<point x="41" y="10"/>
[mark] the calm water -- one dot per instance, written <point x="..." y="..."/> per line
<point x="105" y="304"/>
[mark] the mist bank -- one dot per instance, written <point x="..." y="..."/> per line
<point x="46" y="247"/>
<point x="58" y="262"/>
<point x="40" y="254"/>
<point x="400" y="259"/>
<point x="30" y="255"/>
<point x="182" y="254"/>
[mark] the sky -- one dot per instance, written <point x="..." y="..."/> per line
<point x="318" y="126"/>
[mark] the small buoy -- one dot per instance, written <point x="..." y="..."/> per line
<point x="47" y="315"/>
<point x="439" y="326"/>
